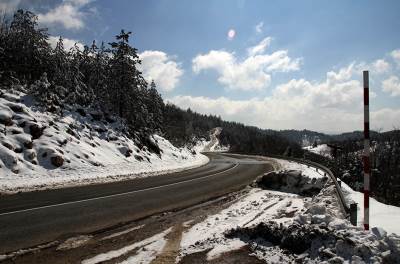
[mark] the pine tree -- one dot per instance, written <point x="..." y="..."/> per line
<point x="79" y="65"/>
<point x="124" y="74"/>
<point x="48" y="95"/>
<point x="24" y="50"/>
<point x="156" y="107"/>
<point x="98" y="76"/>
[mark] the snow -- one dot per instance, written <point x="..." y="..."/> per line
<point x="381" y="215"/>
<point x="306" y="170"/>
<point x="91" y="151"/>
<point x="122" y="232"/>
<point x="200" y="145"/>
<point x="257" y="206"/>
<point x="146" y="251"/>
<point x="316" y="223"/>
<point x="74" y="242"/>
<point x="322" y="150"/>
<point x="214" y="144"/>
<point x="219" y="249"/>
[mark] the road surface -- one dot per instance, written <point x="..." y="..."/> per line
<point x="29" y="219"/>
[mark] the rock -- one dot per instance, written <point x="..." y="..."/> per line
<point x="31" y="155"/>
<point x="317" y="209"/>
<point x="28" y="144"/>
<point x="22" y="124"/>
<point x="328" y="253"/>
<point x="8" y="145"/>
<point x="57" y="161"/>
<point x="112" y="138"/>
<point x="128" y="152"/>
<point x="6" y="118"/>
<point x="100" y="129"/>
<point x="62" y="142"/>
<point x="16" y="107"/>
<point x="152" y="145"/>
<point x="336" y="260"/>
<point x="363" y="251"/>
<point x="81" y="111"/>
<point x="139" y="158"/>
<point x="16" y="131"/>
<point x="72" y="133"/>
<point x="36" y="131"/>
<point x="317" y="219"/>
<point x="18" y="150"/>
<point x="379" y="232"/>
<point x="386" y="254"/>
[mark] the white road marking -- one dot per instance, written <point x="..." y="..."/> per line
<point x="116" y="195"/>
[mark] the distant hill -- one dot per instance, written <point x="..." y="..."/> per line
<point x="308" y="137"/>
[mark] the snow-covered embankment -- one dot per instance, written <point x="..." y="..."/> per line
<point x="40" y="150"/>
<point x="282" y="227"/>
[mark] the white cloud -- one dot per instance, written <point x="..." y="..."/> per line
<point x="392" y="86"/>
<point x="158" y="66"/>
<point x="252" y="73"/>
<point x="380" y="66"/>
<point x="68" y="43"/>
<point x="69" y="14"/>
<point x="8" y="6"/>
<point x="259" y="27"/>
<point x="332" y="105"/>
<point x="231" y="34"/>
<point x="260" y="47"/>
<point x="396" y="56"/>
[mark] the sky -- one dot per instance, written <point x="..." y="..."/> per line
<point x="271" y="64"/>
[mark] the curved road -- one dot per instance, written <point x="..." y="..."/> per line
<point x="28" y="219"/>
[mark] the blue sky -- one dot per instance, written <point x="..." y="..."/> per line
<point x="289" y="64"/>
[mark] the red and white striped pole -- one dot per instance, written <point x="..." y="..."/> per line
<point x="367" y="168"/>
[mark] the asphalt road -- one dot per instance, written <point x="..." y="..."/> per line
<point x="29" y="219"/>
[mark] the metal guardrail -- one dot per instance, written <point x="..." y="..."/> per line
<point x="339" y="192"/>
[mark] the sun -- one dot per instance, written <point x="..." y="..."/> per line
<point x="231" y="34"/>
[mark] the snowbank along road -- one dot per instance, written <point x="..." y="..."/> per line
<point x="29" y="219"/>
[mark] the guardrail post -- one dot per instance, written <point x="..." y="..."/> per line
<point x="353" y="214"/>
<point x="339" y="182"/>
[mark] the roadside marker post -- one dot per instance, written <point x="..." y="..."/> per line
<point x="353" y="214"/>
<point x="366" y="154"/>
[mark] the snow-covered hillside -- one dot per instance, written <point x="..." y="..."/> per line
<point x="322" y="150"/>
<point x="43" y="150"/>
<point x="214" y="144"/>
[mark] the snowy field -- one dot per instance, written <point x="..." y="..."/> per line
<point x="41" y="150"/>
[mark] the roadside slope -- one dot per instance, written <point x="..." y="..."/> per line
<point x="41" y="150"/>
